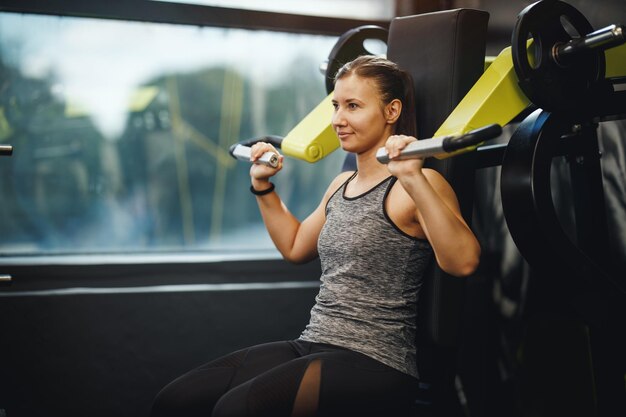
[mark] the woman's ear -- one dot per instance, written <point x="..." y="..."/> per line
<point x="393" y="110"/>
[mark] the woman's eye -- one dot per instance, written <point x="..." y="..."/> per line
<point x="352" y="106"/>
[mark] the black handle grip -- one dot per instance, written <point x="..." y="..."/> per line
<point x="6" y="150"/>
<point x="473" y="137"/>
<point x="273" y="140"/>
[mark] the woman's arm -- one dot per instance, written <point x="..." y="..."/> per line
<point x="437" y="211"/>
<point x="295" y="240"/>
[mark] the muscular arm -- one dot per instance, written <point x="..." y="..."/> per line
<point x="456" y="248"/>
<point x="295" y="240"/>
<point x="436" y="209"/>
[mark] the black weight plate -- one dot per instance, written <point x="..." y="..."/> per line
<point x="547" y="84"/>
<point x="349" y="46"/>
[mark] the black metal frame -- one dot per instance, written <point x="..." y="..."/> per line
<point x="188" y="14"/>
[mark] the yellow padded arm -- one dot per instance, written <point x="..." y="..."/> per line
<point x="313" y="138"/>
<point x="494" y="98"/>
<point x="616" y="62"/>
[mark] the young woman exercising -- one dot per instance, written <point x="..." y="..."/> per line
<point x="375" y="231"/>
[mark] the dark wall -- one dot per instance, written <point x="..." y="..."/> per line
<point x="108" y="354"/>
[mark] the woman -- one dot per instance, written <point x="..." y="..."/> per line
<point x="375" y="231"/>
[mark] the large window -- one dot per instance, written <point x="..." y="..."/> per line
<point x="361" y="9"/>
<point x="121" y="133"/>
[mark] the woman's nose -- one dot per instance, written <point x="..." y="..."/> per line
<point x="338" y="119"/>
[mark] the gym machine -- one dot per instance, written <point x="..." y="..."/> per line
<point x="573" y="80"/>
<point x="513" y="81"/>
<point x="571" y="360"/>
<point x="561" y="78"/>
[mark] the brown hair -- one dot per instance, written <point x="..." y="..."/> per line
<point x="392" y="83"/>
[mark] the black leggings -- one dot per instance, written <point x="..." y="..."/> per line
<point x="289" y="379"/>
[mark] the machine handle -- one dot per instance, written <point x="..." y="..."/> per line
<point x="242" y="153"/>
<point x="471" y="138"/>
<point x="6" y="150"/>
<point x="241" y="150"/>
<point x="273" y="140"/>
<point x="443" y="144"/>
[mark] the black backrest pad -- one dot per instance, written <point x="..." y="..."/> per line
<point x="445" y="54"/>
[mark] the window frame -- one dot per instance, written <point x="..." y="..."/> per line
<point x="189" y="14"/>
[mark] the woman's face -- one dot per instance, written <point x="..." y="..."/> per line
<point x="359" y="116"/>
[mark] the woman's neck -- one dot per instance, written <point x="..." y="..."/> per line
<point x="367" y="164"/>
<point x="369" y="169"/>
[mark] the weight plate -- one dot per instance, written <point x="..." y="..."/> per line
<point x="349" y="46"/>
<point x="549" y="85"/>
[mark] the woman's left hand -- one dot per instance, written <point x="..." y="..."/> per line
<point x="405" y="167"/>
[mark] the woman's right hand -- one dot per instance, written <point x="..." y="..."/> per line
<point x="260" y="173"/>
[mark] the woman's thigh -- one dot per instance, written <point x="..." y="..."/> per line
<point x="337" y="382"/>
<point x="353" y="384"/>
<point x="196" y="392"/>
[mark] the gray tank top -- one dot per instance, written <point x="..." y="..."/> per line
<point x="371" y="276"/>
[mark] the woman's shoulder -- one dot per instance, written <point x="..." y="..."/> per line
<point x="341" y="178"/>
<point x="399" y="196"/>
<point x="336" y="183"/>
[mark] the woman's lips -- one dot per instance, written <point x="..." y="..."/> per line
<point x="343" y="135"/>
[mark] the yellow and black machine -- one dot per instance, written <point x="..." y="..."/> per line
<point x="558" y="66"/>
<point x="557" y="81"/>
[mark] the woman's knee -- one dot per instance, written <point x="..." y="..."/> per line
<point x="233" y="404"/>
<point x="270" y="394"/>
<point x="167" y="402"/>
<point x="193" y="394"/>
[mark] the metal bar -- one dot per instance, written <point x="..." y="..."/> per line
<point x="6" y="150"/>
<point x="250" y="286"/>
<point x="421" y="149"/>
<point x="602" y="39"/>
<point x="243" y="153"/>
<point x="188" y="14"/>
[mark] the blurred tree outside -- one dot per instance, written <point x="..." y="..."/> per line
<point x="167" y="182"/>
